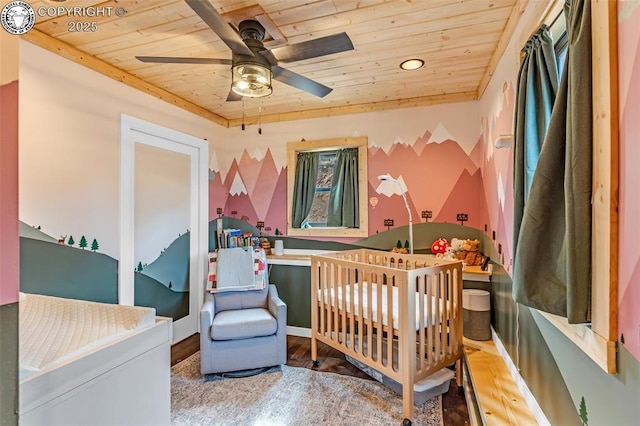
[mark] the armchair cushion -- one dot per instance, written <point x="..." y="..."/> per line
<point x="228" y="301"/>
<point x="243" y="324"/>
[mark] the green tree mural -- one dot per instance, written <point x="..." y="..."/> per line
<point x="583" y="412"/>
<point x="71" y="241"/>
<point x="83" y="243"/>
<point x="94" y="245"/>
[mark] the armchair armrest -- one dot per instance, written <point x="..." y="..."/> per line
<point x="207" y="312"/>
<point x="276" y="306"/>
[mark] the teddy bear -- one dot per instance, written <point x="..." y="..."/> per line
<point x="469" y="253"/>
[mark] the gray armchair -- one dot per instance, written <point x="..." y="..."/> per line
<point x="242" y="330"/>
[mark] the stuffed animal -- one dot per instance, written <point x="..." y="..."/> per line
<point x="451" y="249"/>
<point x="456" y="244"/>
<point x="439" y="246"/>
<point x="470" y="253"/>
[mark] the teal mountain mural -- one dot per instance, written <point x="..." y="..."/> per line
<point x="171" y="268"/>
<point x="54" y="269"/>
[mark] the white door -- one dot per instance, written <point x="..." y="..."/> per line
<point x="164" y="228"/>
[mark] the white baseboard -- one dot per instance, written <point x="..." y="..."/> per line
<point x="298" y="331"/>
<point x="522" y="385"/>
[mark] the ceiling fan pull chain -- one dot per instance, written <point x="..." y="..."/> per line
<point x="259" y="120"/>
<point x="243" y="114"/>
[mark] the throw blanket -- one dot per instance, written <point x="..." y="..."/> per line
<point x="237" y="269"/>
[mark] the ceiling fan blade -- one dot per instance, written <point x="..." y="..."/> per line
<point x="178" y="60"/>
<point x="300" y="82"/>
<point x="313" y="48"/>
<point x="213" y="19"/>
<point x="269" y="57"/>
<point x="233" y="96"/>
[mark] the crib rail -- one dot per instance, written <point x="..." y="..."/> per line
<point x="399" y="314"/>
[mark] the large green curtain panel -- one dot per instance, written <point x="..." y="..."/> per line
<point x="537" y="90"/>
<point x="552" y="264"/>
<point x="343" y="198"/>
<point x="304" y="187"/>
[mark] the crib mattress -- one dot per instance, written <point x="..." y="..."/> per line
<point x="53" y="329"/>
<point x="437" y="304"/>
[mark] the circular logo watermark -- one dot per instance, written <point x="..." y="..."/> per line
<point x="17" y="17"/>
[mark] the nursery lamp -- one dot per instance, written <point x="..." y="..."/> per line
<point x="387" y="177"/>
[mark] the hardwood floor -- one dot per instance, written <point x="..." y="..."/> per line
<point x="454" y="405"/>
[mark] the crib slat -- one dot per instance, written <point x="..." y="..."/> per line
<point x="422" y="325"/>
<point x="352" y="314"/>
<point x="368" y="294"/>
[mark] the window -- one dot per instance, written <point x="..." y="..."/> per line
<point x="327" y="188"/>
<point x="561" y="47"/>
<point x="319" y="212"/>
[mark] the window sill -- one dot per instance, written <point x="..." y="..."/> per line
<point x="596" y="347"/>
<point x="327" y="232"/>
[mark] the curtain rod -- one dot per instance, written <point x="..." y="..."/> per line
<point x="556" y="18"/>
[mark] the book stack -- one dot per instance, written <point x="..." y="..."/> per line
<point x="231" y="238"/>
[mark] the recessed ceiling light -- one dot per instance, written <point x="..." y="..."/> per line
<point x="412" y="64"/>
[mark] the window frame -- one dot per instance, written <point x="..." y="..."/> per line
<point x="293" y="148"/>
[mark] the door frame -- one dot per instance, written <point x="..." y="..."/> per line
<point x="134" y="130"/>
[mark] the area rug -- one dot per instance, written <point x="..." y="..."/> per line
<point x="287" y="396"/>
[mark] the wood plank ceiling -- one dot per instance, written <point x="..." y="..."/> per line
<point x="460" y="42"/>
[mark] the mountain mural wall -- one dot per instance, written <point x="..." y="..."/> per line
<point x="438" y="174"/>
<point x="60" y="270"/>
<point x="497" y="172"/>
<point x="629" y="208"/>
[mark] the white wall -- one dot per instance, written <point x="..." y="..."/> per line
<point x="69" y="144"/>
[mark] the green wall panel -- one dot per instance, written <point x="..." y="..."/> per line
<point x="9" y="364"/>
<point x="294" y="288"/>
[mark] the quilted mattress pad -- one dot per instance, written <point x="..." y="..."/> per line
<point x="54" y="329"/>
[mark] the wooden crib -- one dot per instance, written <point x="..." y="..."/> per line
<point x="354" y="291"/>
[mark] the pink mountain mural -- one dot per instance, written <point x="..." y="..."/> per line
<point x="389" y="208"/>
<point x="477" y="153"/>
<point x="421" y="143"/>
<point x="249" y="169"/>
<point x="267" y="181"/>
<point x="628" y="312"/>
<point x="231" y="202"/>
<point x="241" y="204"/>
<point x="429" y="177"/>
<point x="497" y="172"/>
<point x="276" y="216"/>
<point x="438" y="175"/>
<point x="629" y="262"/>
<point x="217" y="193"/>
<point x="467" y="196"/>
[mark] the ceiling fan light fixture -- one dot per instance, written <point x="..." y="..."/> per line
<point x="412" y="64"/>
<point x="251" y="80"/>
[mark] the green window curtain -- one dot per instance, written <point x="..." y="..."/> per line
<point x="344" y="209"/>
<point x="304" y="187"/>
<point x="552" y="264"/>
<point x="537" y="89"/>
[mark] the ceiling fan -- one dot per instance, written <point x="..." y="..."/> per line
<point x="252" y="64"/>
